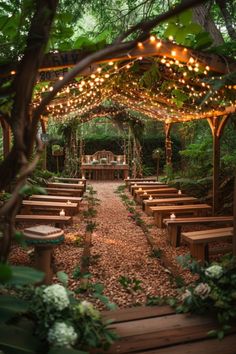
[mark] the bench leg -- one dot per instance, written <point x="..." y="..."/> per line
<point x="159" y="220"/>
<point x="178" y="237"/>
<point x="172" y="235"/>
<point x="200" y="252"/>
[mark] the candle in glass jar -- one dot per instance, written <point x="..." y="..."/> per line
<point x="62" y="212"/>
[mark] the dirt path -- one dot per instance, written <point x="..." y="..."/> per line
<point x="120" y="249"/>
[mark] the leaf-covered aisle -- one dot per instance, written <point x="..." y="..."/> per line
<point x="121" y="258"/>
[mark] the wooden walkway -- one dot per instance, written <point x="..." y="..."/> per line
<point x="159" y="330"/>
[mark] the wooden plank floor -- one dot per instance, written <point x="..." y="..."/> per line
<point x="160" y="330"/>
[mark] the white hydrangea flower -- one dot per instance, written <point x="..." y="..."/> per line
<point x="86" y="308"/>
<point x="56" y="295"/>
<point x="202" y="290"/>
<point x="214" y="271"/>
<point x="62" y="335"/>
<point x="185" y="295"/>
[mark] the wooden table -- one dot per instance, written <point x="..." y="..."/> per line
<point x="183" y="200"/>
<point x="29" y="205"/>
<point x="161" y="212"/>
<point x="105" y="172"/>
<point x="65" y="192"/>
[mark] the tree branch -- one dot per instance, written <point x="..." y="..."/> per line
<point x="146" y="26"/>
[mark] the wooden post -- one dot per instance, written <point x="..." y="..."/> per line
<point x="234" y="233"/>
<point x="216" y="172"/>
<point x="168" y="144"/>
<point x="6" y="137"/>
<point x="217" y="126"/>
<point x="44" y="131"/>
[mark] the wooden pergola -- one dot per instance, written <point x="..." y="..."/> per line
<point x="160" y="107"/>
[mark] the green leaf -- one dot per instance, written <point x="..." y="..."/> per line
<point x="185" y="17"/>
<point x="28" y="190"/>
<point x="14" y="340"/>
<point x="25" y="276"/>
<point x="203" y="40"/>
<point x="11" y="306"/>
<point x="63" y="277"/>
<point x="20" y="239"/>
<point x="98" y="288"/>
<point x="193" y="28"/>
<point x="220" y="334"/>
<point x="82" y="42"/>
<point x="171" y="30"/>
<point x="5" y="273"/>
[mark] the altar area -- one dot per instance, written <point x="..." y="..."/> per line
<point x="104" y="165"/>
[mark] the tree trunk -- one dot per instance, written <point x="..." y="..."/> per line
<point x="201" y="15"/>
<point x="227" y="18"/>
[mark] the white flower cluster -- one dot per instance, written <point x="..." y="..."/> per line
<point x="56" y="295"/>
<point x="202" y="290"/>
<point x="214" y="271"/>
<point x="62" y="335"/>
<point x="185" y="295"/>
<point x="86" y="308"/>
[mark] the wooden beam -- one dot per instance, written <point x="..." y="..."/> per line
<point x="148" y="48"/>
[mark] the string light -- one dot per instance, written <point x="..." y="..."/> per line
<point x="91" y="91"/>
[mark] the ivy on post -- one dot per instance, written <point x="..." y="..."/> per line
<point x="217" y="125"/>
<point x="168" y="143"/>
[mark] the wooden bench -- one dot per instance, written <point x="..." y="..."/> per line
<point x="146" y="186"/>
<point x="55" y="198"/>
<point x="56" y="220"/>
<point x="174" y="225"/>
<point x="159" y="201"/>
<point x="159" y="330"/>
<point x="141" y="189"/>
<point x="128" y="181"/>
<point x="29" y="205"/>
<point x="199" y="241"/>
<point x="157" y="195"/>
<point x="153" y="191"/>
<point x="79" y="185"/>
<point x="71" y="180"/>
<point x="65" y="192"/>
<point x="161" y="212"/>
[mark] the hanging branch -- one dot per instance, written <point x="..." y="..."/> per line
<point x="116" y="47"/>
